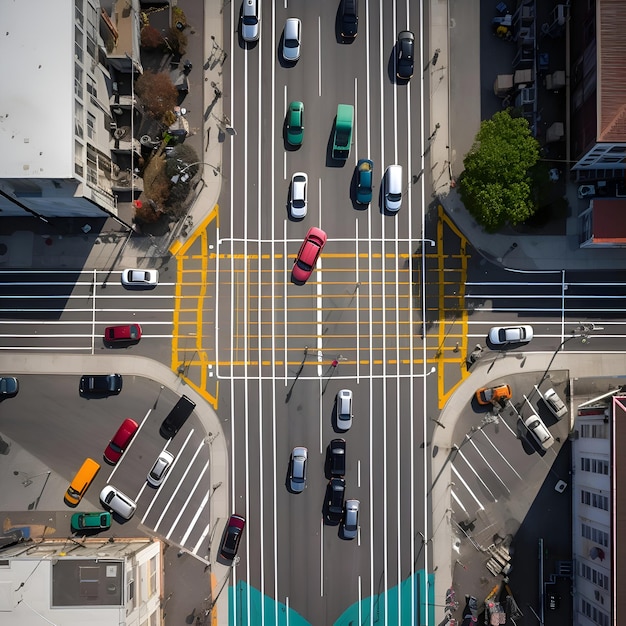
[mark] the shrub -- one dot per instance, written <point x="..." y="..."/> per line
<point x="151" y="38"/>
<point x="157" y="93"/>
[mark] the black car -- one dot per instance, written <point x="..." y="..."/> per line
<point x="9" y="386"/>
<point x="100" y="384"/>
<point x="349" y="18"/>
<point x="232" y="537"/>
<point x="337" y="457"/>
<point x="405" y="51"/>
<point x="335" y="496"/>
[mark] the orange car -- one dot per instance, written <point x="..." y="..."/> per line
<point x="493" y="395"/>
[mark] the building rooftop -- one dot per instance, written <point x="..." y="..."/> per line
<point x="37" y="113"/>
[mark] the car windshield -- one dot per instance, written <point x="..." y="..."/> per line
<point x="250" y="20"/>
<point x="115" y="448"/>
<point x="291" y="43"/>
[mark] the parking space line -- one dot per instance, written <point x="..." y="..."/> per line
<point x="188" y="500"/>
<point x="461" y="455"/>
<point x="463" y="481"/>
<point x="180" y="484"/>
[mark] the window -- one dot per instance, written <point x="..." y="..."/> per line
<point x="78" y="81"/>
<point x="597" y="466"/>
<point x="91" y="126"/>
<point x="596" y="500"/>
<point x="92" y="20"/>
<point x="594" y="431"/>
<point x="78" y="119"/>
<point x="78" y="11"/>
<point x="152" y="567"/>
<point x="91" y="86"/>
<point x="78" y="43"/>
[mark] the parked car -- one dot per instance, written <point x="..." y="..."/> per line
<point x="140" y="279"/>
<point x="504" y="335"/>
<point x="100" y="384"/>
<point x="125" y="333"/>
<point x="160" y="468"/>
<point x="292" y="37"/>
<point x="553" y="601"/>
<point x="364" y="181"/>
<point x="344" y="409"/>
<point x="337" y="457"/>
<point x="298" y="200"/>
<point x="121" y="440"/>
<point x="250" y="20"/>
<point x="297" y="470"/>
<point x="554" y="403"/>
<point x="493" y="395"/>
<point x="309" y="252"/>
<point x="90" y="521"/>
<point x="539" y="430"/>
<point x="393" y="188"/>
<point x="117" y="502"/>
<point x="335" y="495"/>
<point x="350" y="525"/>
<point x="9" y="387"/>
<point x="295" y="123"/>
<point x="405" y="50"/>
<point x="232" y="537"/>
<point x="349" y="18"/>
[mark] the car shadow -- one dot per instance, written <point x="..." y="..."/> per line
<point x="120" y="344"/>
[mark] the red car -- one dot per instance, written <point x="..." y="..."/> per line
<point x="310" y="251"/>
<point x="127" y="332"/>
<point x="232" y="537"/>
<point x="120" y="441"/>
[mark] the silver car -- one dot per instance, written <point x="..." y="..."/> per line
<point x="140" y="279"/>
<point x="298" y="202"/>
<point x="297" y="470"/>
<point x="160" y="468"/>
<point x="504" y="335"/>
<point x="554" y="403"/>
<point x="350" y="526"/>
<point x="344" y="409"/>
<point x="291" y="39"/>
<point x="250" y="20"/>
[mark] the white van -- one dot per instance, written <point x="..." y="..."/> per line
<point x="393" y="188"/>
<point x="250" y="20"/>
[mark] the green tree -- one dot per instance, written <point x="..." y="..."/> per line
<point x="496" y="187"/>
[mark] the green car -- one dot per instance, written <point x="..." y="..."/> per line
<point x="91" y="521"/>
<point x="295" y="124"/>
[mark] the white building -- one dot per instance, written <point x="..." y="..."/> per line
<point x="100" y="582"/>
<point x="596" y="512"/>
<point x="64" y="153"/>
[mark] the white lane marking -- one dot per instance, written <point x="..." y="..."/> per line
<point x="130" y="445"/>
<point x="355" y="152"/>
<point x="180" y="484"/>
<point x="356" y="296"/>
<point x="178" y="455"/>
<point x="358" y="472"/>
<point x="487" y="463"/>
<point x="462" y="456"/>
<point x="458" y="501"/>
<point x="197" y="514"/>
<point x="286" y="610"/>
<point x="360" y="596"/>
<point x="188" y="500"/>
<point x="203" y="536"/>
<point x="93" y="316"/>
<point x="319" y="56"/>
<point x="499" y="453"/>
<point x="358" y="535"/>
<point x="458" y="475"/>
<point x="284" y="151"/>
<point x="322" y="556"/>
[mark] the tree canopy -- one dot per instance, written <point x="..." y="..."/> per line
<point x="496" y="187"/>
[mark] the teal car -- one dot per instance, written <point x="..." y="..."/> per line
<point x="91" y="521"/>
<point x="365" y="172"/>
<point x="295" y="124"/>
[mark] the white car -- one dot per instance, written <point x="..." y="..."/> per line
<point x="504" y="335"/>
<point x="291" y="39"/>
<point x="141" y="279"/>
<point x="117" y="502"/>
<point x="539" y="430"/>
<point x="160" y="468"/>
<point x="298" y="202"/>
<point x="554" y="403"/>
<point x="297" y="470"/>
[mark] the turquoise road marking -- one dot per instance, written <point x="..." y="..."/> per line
<point x="251" y="604"/>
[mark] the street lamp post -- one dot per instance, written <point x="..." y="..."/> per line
<point x="177" y="177"/>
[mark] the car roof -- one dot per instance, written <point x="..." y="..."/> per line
<point x="292" y="28"/>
